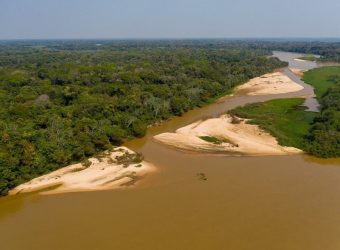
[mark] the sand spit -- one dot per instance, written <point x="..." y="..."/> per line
<point x="300" y="60"/>
<point x="116" y="169"/>
<point x="269" y="84"/>
<point x="298" y="72"/>
<point x="235" y="137"/>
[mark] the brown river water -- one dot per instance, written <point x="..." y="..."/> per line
<point x="247" y="203"/>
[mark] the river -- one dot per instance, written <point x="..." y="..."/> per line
<point x="285" y="202"/>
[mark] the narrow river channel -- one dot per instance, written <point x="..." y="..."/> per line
<point x="247" y="203"/>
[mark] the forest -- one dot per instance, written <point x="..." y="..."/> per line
<point x="328" y="50"/>
<point x="64" y="101"/>
<point x="323" y="139"/>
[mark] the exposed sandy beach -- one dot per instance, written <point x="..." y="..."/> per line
<point x="117" y="169"/>
<point x="300" y="60"/>
<point x="239" y="138"/>
<point x="269" y="84"/>
<point x="235" y="136"/>
<point x="108" y="172"/>
<point x="298" y="72"/>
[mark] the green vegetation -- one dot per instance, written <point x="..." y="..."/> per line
<point x="64" y="101"/>
<point x="324" y="137"/>
<point x="309" y="58"/>
<point x="322" y="79"/>
<point x="215" y="140"/>
<point x="285" y="119"/>
<point x="129" y="158"/>
<point x="317" y="134"/>
<point x="329" y="51"/>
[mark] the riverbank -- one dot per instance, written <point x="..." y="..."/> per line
<point x="300" y="60"/>
<point x="322" y="79"/>
<point x="285" y="119"/>
<point x="219" y="135"/>
<point x="231" y="135"/>
<point x="269" y="84"/>
<point x="226" y="134"/>
<point x="324" y="137"/>
<point x="107" y="174"/>
<point x="298" y="72"/>
<point x="119" y="168"/>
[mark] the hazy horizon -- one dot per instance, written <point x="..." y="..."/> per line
<point x="186" y="19"/>
<point x="302" y="39"/>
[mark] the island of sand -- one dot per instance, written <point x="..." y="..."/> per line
<point x="226" y="134"/>
<point x="300" y="60"/>
<point x="231" y="135"/>
<point x="298" y="72"/>
<point x="118" y="168"/>
<point x="269" y="84"/>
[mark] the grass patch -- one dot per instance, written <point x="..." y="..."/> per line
<point x="322" y="79"/>
<point x="128" y="159"/>
<point x="308" y="58"/>
<point x="285" y="119"/>
<point x="215" y="140"/>
<point x="86" y="163"/>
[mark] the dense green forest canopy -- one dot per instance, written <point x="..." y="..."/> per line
<point x="324" y="137"/>
<point x="327" y="50"/>
<point x="63" y="101"/>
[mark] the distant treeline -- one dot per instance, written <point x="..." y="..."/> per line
<point x="63" y="101"/>
<point x="329" y="51"/>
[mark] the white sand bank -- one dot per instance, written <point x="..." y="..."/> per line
<point x="269" y="84"/>
<point x="300" y="60"/>
<point x="298" y="72"/>
<point x="244" y="139"/>
<point x="112" y="170"/>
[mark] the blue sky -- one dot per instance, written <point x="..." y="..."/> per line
<point x="34" y="19"/>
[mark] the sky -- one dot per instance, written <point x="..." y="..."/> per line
<point x="117" y="19"/>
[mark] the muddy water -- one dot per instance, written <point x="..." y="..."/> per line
<point x="288" y="202"/>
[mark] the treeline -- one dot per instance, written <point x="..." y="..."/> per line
<point x="324" y="136"/>
<point x="59" y="106"/>
<point x="329" y="51"/>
